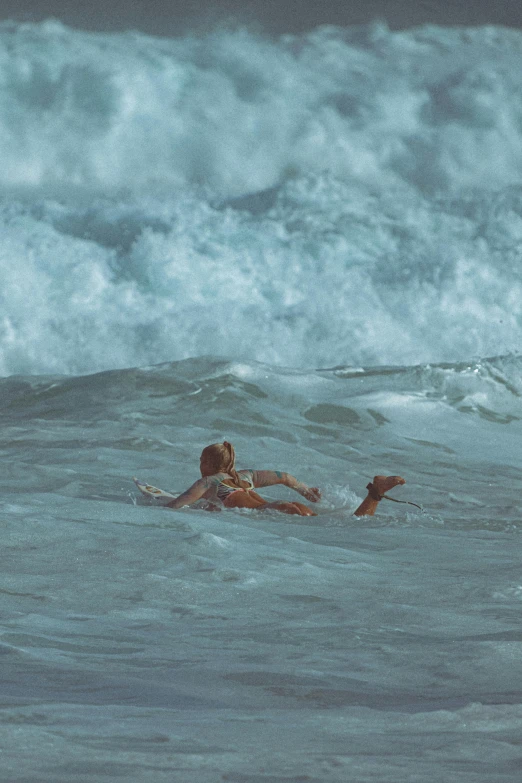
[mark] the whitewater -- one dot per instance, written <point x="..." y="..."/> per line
<point x="308" y="245"/>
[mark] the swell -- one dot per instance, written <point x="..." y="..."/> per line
<point x="452" y="431"/>
<point x="490" y="388"/>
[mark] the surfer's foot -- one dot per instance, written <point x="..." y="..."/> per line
<point x="376" y="490"/>
<point x="383" y="484"/>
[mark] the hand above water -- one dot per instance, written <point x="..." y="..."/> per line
<point x="312" y="493"/>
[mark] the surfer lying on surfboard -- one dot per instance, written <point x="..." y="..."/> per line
<point x="222" y="485"/>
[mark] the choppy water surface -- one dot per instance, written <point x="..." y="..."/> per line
<point x="309" y="246"/>
<point x="239" y="646"/>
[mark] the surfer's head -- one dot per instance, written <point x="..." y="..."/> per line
<point x="218" y="458"/>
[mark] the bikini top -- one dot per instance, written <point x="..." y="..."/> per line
<point x="222" y="490"/>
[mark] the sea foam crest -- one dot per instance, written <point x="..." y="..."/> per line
<point x="352" y="280"/>
<point x="302" y="201"/>
<point x="236" y="111"/>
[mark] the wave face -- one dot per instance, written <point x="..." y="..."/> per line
<point x="343" y="197"/>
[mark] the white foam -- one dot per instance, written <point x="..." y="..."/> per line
<point x="364" y="249"/>
<point x="111" y="111"/>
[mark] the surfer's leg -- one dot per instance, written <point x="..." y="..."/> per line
<point x="291" y="507"/>
<point x="244" y="500"/>
<point x="253" y="500"/>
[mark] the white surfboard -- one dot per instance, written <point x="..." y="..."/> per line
<point x="153" y="492"/>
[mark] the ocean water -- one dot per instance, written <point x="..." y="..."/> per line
<point x="309" y="245"/>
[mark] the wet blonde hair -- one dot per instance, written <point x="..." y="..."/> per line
<point x="221" y="458"/>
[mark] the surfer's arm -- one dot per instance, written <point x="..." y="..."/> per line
<point x="192" y="494"/>
<point x="267" y="478"/>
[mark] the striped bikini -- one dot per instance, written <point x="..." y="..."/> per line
<point x="222" y="491"/>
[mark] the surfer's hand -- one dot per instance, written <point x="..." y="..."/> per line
<point x="312" y="493"/>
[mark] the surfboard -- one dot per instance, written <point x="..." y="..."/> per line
<point x="153" y="492"/>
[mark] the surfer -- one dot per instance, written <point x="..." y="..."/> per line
<point x="221" y="485"/>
